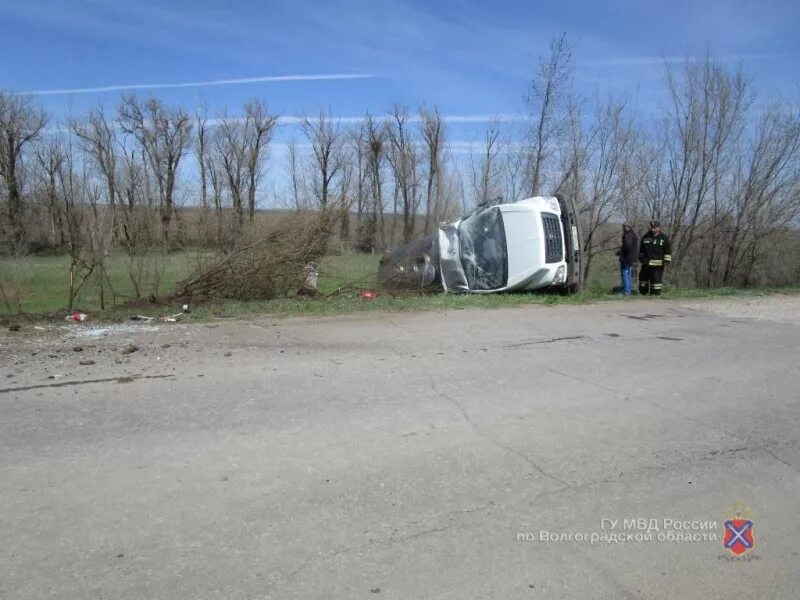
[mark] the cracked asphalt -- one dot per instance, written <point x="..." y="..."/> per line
<point x="405" y="455"/>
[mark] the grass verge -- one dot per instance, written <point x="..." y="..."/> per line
<point x="42" y="280"/>
<point x="352" y="304"/>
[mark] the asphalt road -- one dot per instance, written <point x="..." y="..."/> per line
<point x="405" y="456"/>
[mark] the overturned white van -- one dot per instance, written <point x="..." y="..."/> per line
<point x="528" y="245"/>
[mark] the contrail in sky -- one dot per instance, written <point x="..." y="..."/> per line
<point x="190" y="84"/>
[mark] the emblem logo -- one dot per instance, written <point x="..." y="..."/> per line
<point x="739" y="536"/>
<point x="739" y="531"/>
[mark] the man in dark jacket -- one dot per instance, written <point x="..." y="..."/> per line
<point x="627" y="258"/>
<point x="655" y="252"/>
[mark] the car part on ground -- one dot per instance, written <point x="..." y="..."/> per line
<point x="411" y="266"/>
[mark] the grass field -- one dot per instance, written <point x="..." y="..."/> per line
<point x="41" y="283"/>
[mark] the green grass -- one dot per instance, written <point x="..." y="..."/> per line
<point x="42" y="282"/>
<point x="348" y="270"/>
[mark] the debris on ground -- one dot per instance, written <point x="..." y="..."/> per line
<point x="171" y="318"/>
<point x="368" y="294"/>
<point x="308" y="287"/>
<point x="163" y="319"/>
<point x="77" y="316"/>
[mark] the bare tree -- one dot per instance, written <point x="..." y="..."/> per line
<point x="72" y="187"/>
<point x="230" y="145"/>
<point x="165" y="136"/>
<point x="51" y="154"/>
<point x="325" y="137"/>
<point x="240" y="151"/>
<point x="546" y="100"/>
<point x="486" y="172"/>
<point x="433" y="135"/>
<point x="706" y="121"/>
<point x="358" y="152"/>
<point x="598" y="173"/>
<point x="653" y="199"/>
<point x="374" y="135"/>
<point x="201" y="153"/>
<point x="455" y="196"/>
<point x="21" y="122"/>
<point x="217" y="179"/>
<point x="133" y="188"/>
<point x="344" y="194"/>
<point x="295" y="175"/>
<point x="404" y="162"/>
<point x="766" y="200"/>
<point x="138" y="224"/>
<point x="97" y="138"/>
<point x="260" y="126"/>
<point x="513" y="170"/>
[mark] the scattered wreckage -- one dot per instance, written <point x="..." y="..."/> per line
<point x="532" y="244"/>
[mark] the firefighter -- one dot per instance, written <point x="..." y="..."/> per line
<point x="655" y="252"/>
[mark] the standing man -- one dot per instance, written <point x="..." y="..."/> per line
<point x="655" y="252"/>
<point x="627" y="258"/>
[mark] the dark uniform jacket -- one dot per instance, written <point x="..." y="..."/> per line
<point x="627" y="253"/>
<point x="655" y="250"/>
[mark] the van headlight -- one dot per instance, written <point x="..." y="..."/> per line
<point x="561" y="275"/>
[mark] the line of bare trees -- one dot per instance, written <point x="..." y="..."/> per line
<point x="719" y="166"/>
<point x="392" y="174"/>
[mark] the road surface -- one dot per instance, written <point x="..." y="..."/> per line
<point x="428" y="455"/>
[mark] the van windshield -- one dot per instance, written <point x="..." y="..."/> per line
<point x="483" y="249"/>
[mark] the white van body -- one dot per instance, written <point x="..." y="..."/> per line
<point x="535" y="251"/>
<point x="532" y="244"/>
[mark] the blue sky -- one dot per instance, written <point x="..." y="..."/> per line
<point x="468" y="58"/>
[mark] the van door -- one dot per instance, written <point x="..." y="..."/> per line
<point x="573" y="242"/>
